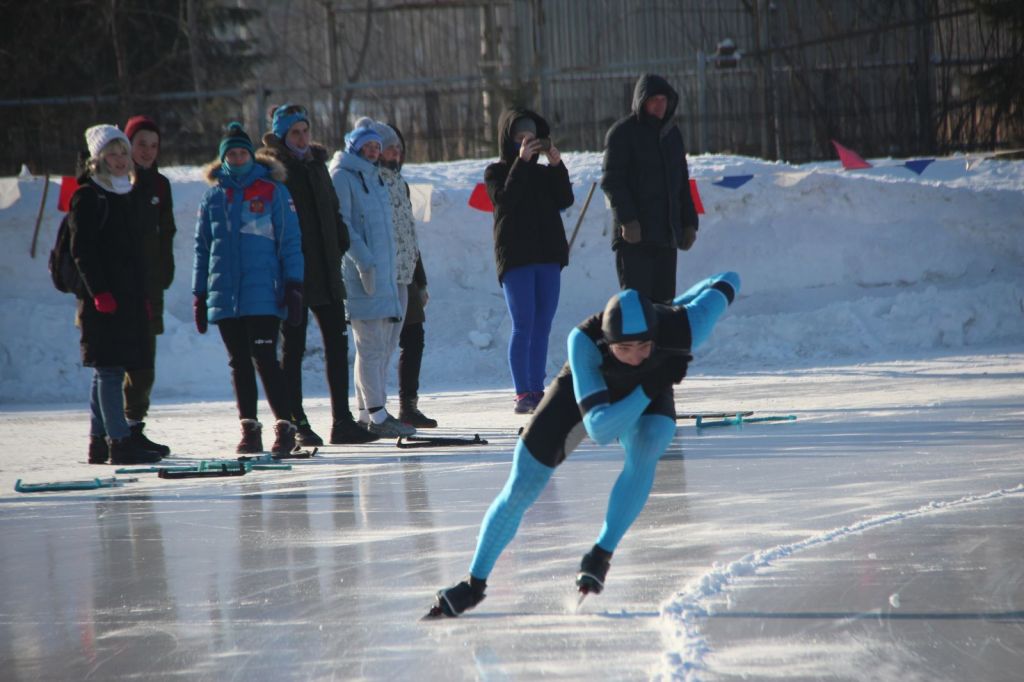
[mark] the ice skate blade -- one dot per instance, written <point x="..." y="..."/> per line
<point x="435" y="613"/>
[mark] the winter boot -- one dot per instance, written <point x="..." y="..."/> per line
<point x="460" y="598"/>
<point x="139" y="438"/>
<point x="348" y="432"/>
<point x="252" y="438"/>
<point x="305" y="435"/>
<point x="410" y="414"/>
<point x="126" y="452"/>
<point x="99" y="451"/>
<point x="284" y="438"/>
<point x="391" y="428"/>
<point x="593" y="569"/>
<point x="525" y="403"/>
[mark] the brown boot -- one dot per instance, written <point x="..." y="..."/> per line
<point x="408" y="413"/>
<point x="284" y="441"/>
<point x="252" y="438"/>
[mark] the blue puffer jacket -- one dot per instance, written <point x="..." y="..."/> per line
<point x="248" y="243"/>
<point x="366" y="209"/>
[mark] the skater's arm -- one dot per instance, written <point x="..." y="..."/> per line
<point x="604" y="421"/>
<point x="706" y="301"/>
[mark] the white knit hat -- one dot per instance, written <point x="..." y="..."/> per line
<point x="98" y="137"/>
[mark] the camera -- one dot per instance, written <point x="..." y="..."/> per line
<point x="544" y="142"/>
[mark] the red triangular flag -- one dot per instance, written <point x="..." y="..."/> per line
<point x="68" y="185"/>
<point x="851" y="160"/>
<point x="479" y="199"/>
<point x="697" y="203"/>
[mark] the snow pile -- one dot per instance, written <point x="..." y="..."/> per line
<point x="836" y="265"/>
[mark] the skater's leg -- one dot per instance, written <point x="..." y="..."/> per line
<point x="644" y="444"/>
<point x="525" y="483"/>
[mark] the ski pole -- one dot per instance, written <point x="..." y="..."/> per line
<point x="579" y="221"/>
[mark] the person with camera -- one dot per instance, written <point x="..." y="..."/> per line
<point x="530" y="248"/>
<point x="617" y="385"/>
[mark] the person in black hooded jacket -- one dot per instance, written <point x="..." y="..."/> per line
<point x="530" y="248"/>
<point x="647" y="183"/>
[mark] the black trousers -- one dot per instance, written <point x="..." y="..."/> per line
<point x="251" y="343"/>
<point x="331" y="320"/>
<point x="138" y="384"/>
<point x="651" y="270"/>
<point x="410" y="359"/>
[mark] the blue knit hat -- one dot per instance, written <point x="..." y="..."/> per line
<point x="358" y="137"/>
<point x="285" y="116"/>
<point x="235" y="137"/>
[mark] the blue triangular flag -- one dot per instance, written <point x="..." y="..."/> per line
<point x="733" y="181"/>
<point x="918" y="165"/>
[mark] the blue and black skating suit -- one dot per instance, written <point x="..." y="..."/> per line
<point x="596" y="395"/>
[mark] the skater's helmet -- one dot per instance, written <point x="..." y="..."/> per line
<point x="628" y="316"/>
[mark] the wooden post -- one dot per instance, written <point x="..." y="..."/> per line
<point x="39" y="218"/>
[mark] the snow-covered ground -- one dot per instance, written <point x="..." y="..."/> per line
<point x="876" y="537"/>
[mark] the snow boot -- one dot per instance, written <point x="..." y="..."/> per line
<point x="410" y="414"/>
<point x="457" y="599"/>
<point x="252" y="438"/>
<point x="593" y="569"/>
<point x="305" y="435"/>
<point x="391" y="428"/>
<point x="99" y="451"/>
<point x="127" y="452"/>
<point x="284" y="438"/>
<point x="348" y="432"/>
<point x="139" y="438"/>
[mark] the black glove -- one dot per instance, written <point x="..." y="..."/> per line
<point x="199" y="309"/>
<point x="675" y="365"/>
<point x="687" y="237"/>
<point x="293" y="300"/>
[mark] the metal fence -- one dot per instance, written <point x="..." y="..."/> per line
<point x="887" y="77"/>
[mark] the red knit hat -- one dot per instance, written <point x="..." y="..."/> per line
<point x="137" y="123"/>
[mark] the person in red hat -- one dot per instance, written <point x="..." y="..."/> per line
<point x="154" y="211"/>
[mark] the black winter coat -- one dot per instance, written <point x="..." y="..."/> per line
<point x="527" y="197"/>
<point x="108" y="255"/>
<point x="155" y="224"/>
<point x="644" y="173"/>
<point x="324" y="234"/>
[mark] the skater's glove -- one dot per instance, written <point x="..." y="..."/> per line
<point x="654" y="382"/>
<point x="631" y="232"/>
<point x="687" y="237"/>
<point x="366" y="278"/>
<point x="293" y="300"/>
<point x="199" y="309"/>
<point x="105" y="303"/>
<point x="675" y="367"/>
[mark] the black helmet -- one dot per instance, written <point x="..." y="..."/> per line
<point x="628" y="316"/>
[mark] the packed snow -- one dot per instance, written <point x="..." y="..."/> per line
<point x="875" y="537"/>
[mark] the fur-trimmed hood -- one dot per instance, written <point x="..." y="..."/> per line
<point x="212" y="171"/>
<point x="274" y="145"/>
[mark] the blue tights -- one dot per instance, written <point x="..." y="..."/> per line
<point x="531" y="293"/>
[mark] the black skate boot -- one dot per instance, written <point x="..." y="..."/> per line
<point x="305" y="435"/>
<point x="593" y="569"/>
<point x="126" y="452"/>
<point x="284" y="438"/>
<point x="99" y="451"/>
<point x="453" y="601"/>
<point x="409" y="413"/>
<point x="252" y="438"/>
<point x="139" y="438"/>
<point x="348" y="432"/>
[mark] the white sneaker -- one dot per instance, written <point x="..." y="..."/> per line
<point x="391" y="428"/>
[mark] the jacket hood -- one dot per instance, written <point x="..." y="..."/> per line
<point x="401" y="140"/>
<point x="351" y="162"/>
<point x="506" y="146"/>
<point x="274" y="146"/>
<point x="649" y="85"/>
<point x="212" y="171"/>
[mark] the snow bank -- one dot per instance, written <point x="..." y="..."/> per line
<point x="836" y="266"/>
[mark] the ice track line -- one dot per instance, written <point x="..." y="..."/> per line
<point x="684" y="612"/>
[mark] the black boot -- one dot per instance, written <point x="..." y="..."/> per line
<point x="284" y="438"/>
<point x="459" y="598"/>
<point x="99" y="451"/>
<point x="139" y="438"/>
<point x="348" y="432"/>
<point x="408" y="413"/>
<point x="593" y="569"/>
<point x="305" y="435"/>
<point x="252" y="438"/>
<point x="126" y="452"/>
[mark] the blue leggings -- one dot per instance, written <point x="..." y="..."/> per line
<point x="531" y="293"/>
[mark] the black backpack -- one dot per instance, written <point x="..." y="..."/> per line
<point x="63" y="271"/>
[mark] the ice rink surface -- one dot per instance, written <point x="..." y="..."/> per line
<point x="878" y="537"/>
